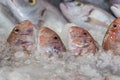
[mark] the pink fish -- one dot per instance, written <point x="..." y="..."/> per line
<point x="22" y="36"/>
<point x="112" y="37"/>
<point x="50" y="42"/>
<point x="81" y="41"/>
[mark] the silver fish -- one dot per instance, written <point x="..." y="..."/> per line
<point x="115" y="8"/>
<point x="7" y="20"/>
<point x="78" y="12"/>
<point x="38" y="12"/>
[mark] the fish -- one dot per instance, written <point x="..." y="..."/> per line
<point x="115" y="8"/>
<point x="80" y="41"/>
<point x="111" y="40"/>
<point x="50" y="43"/>
<point x="39" y="12"/>
<point x="22" y="36"/>
<point x="78" y="12"/>
<point x="104" y="4"/>
<point x="7" y="20"/>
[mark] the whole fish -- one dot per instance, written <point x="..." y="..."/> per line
<point x="86" y="15"/>
<point x="112" y="37"/>
<point x="7" y="20"/>
<point x="115" y="8"/>
<point x="22" y="36"/>
<point x="81" y="41"/>
<point x="39" y="12"/>
<point x="50" y="42"/>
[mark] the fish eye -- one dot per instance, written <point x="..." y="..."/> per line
<point x="31" y="2"/>
<point x="114" y="25"/>
<point x="79" y="4"/>
<point x="85" y="33"/>
<point x="16" y="30"/>
<point x="55" y="38"/>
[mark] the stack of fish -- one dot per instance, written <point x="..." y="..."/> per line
<point x="39" y="25"/>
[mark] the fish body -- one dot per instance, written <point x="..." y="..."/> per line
<point x="50" y="42"/>
<point x="39" y="12"/>
<point x="7" y="20"/>
<point x="115" y="8"/>
<point x="80" y="41"/>
<point x="112" y="37"/>
<point x="22" y="36"/>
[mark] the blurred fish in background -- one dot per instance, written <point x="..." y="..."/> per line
<point x="39" y="12"/>
<point x="7" y="20"/>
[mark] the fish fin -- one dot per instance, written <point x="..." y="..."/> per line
<point x="95" y="21"/>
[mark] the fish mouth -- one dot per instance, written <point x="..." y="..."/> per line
<point x="82" y="45"/>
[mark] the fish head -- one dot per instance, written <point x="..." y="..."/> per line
<point x="113" y="32"/>
<point x="49" y="40"/>
<point x="75" y="9"/>
<point x="115" y="8"/>
<point x="22" y="34"/>
<point x="80" y="39"/>
<point x="26" y="9"/>
<point x="111" y="40"/>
